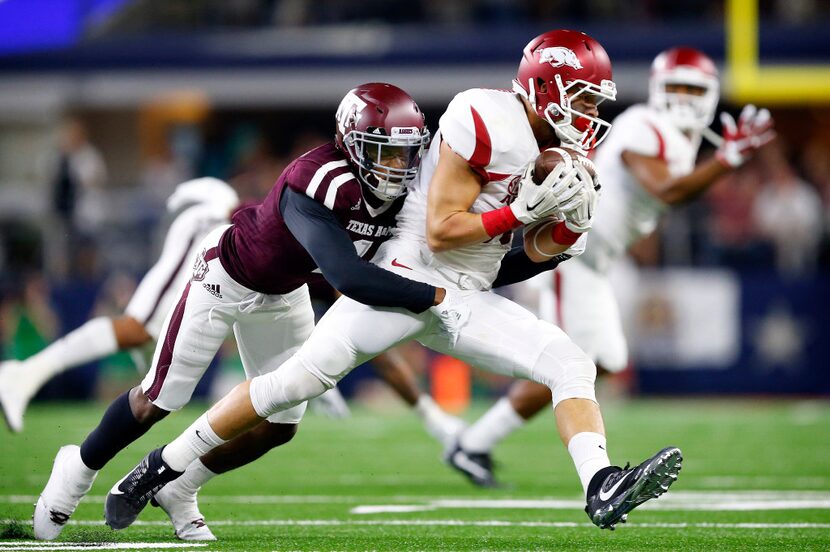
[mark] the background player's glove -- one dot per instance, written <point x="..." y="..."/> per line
<point x="580" y="217"/>
<point x="742" y="139"/>
<point x="537" y="201"/>
<point x="453" y="313"/>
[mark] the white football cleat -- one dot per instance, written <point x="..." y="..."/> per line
<point x="14" y="397"/>
<point x="180" y="505"/>
<point x="67" y="485"/>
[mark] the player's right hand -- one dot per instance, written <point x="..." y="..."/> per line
<point x="538" y="201"/>
<point x="742" y="139"/>
<point x="579" y="218"/>
<point x="453" y="313"/>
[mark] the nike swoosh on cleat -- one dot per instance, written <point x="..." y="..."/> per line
<point x="468" y="465"/>
<point x="605" y="496"/>
<point x="396" y="263"/>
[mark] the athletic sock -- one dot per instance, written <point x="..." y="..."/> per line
<point x="196" y="475"/>
<point x="496" y="424"/>
<point x="94" y="340"/>
<point x="589" y="454"/>
<point x="438" y="423"/>
<point x="196" y="440"/>
<point x="117" y="429"/>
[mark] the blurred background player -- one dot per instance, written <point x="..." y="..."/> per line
<point x="453" y="231"/>
<point x="646" y="165"/>
<point x="201" y="205"/>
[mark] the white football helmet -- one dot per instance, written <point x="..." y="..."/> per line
<point x="685" y="67"/>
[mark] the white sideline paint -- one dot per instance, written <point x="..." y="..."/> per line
<point x="673" y="501"/>
<point x="425" y="523"/>
<point x="43" y="545"/>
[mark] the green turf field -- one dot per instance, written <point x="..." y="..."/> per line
<point x="756" y="476"/>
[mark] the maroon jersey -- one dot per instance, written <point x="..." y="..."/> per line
<point x="261" y="253"/>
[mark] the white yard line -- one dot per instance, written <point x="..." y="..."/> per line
<point x="437" y="523"/>
<point x="42" y="545"/>
<point x="708" y="500"/>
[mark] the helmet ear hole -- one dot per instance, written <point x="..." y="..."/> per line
<point x="542" y="85"/>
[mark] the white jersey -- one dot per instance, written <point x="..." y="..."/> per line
<point x="490" y="130"/>
<point x="626" y="211"/>
<point x="161" y="286"/>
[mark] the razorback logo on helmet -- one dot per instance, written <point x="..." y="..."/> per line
<point x="558" y="56"/>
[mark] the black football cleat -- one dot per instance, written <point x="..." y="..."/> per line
<point x="476" y="466"/>
<point x="128" y="497"/>
<point x="615" y="491"/>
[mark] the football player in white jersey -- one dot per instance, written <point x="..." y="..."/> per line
<point x="647" y="164"/>
<point x="204" y="204"/>
<point x="453" y="231"/>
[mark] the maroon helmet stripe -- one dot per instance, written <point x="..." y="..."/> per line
<point x="481" y="155"/>
<point x="166" y="355"/>
<point x="169" y="281"/>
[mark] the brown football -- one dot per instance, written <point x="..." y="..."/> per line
<point x="547" y="161"/>
<point x="551" y="157"/>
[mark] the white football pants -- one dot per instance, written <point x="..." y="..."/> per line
<point x="268" y="330"/>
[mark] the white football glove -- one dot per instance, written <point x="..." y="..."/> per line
<point x="580" y="217"/>
<point x="205" y="190"/>
<point x="536" y="201"/>
<point x="742" y="139"/>
<point x="453" y="313"/>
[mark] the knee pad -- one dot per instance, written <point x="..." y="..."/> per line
<point x="286" y="387"/>
<point x="566" y="370"/>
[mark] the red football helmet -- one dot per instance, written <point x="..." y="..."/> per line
<point x="686" y="67"/>
<point x="558" y="66"/>
<point x="382" y="131"/>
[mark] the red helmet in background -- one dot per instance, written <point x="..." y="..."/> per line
<point x="382" y="131"/>
<point x="687" y="67"/>
<point x="558" y="66"/>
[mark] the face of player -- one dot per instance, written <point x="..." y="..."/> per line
<point x="685" y="89"/>
<point x="390" y="167"/>
<point x="586" y="103"/>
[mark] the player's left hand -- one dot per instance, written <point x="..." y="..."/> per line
<point x="579" y="216"/>
<point x="453" y="313"/>
<point x="742" y="139"/>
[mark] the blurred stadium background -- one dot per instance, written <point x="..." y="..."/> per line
<point x="730" y="296"/>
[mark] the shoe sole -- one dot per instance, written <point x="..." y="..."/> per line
<point x="658" y="477"/>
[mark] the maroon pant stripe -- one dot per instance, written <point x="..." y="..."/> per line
<point x="557" y="291"/>
<point x="169" y="282"/>
<point x="211" y="254"/>
<point x="166" y="355"/>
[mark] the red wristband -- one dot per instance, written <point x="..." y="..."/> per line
<point x="562" y="235"/>
<point x="499" y="221"/>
